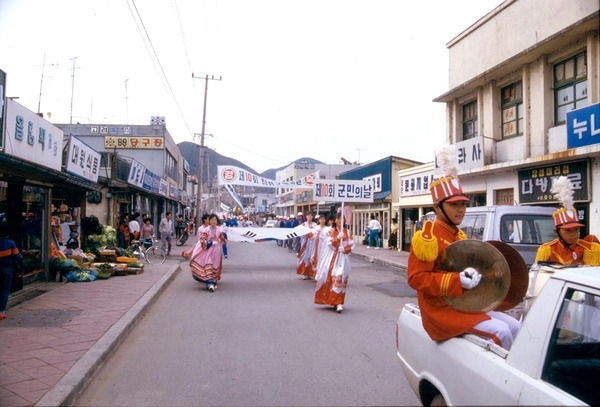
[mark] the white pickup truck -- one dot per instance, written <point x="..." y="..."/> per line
<point x="554" y="360"/>
<point x="524" y="228"/>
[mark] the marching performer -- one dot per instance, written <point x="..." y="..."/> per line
<point x="207" y="255"/>
<point x="432" y="284"/>
<point x="333" y="271"/>
<point x="568" y="249"/>
<point x="307" y="248"/>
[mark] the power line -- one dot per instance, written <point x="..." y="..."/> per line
<point x="162" y="74"/>
<point x="185" y="48"/>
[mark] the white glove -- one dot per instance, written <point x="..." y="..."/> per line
<point x="469" y="278"/>
<point x="340" y="236"/>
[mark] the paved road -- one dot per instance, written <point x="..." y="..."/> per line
<point x="260" y="341"/>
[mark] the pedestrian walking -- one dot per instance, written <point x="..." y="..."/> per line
<point x="166" y="230"/>
<point x="124" y="234"/>
<point x="393" y="242"/>
<point x="297" y="241"/>
<point x="224" y="226"/>
<point x="288" y="224"/>
<point x="206" y="257"/>
<point x="334" y="269"/>
<point x="374" y="228"/>
<point x="134" y="227"/>
<point x="9" y="258"/>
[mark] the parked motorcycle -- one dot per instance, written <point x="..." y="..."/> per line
<point x="185" y="234"/>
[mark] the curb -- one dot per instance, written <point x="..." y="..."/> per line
<point x="74" y="382"/>
<point x="376" y="260"/>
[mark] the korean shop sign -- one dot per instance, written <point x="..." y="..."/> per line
<point x="583" y="126"/>
<point x="83" y="160"/>
<point x="32" y="138"/>
<point x="535" y="183"/>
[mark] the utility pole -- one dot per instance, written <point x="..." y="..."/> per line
<point x="359" y="150"/>
<point x="201" y="149"/>
<point x="126" y="103"/>
<point x="72" y="89"/>
<point x="42" y="82"/>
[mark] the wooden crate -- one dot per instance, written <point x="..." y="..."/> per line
<point x="121" y="272"/>
<point x="134" y="270"/>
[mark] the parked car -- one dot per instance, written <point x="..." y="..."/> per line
<point x="271" y="223"/>
<point x="554" y="360"/>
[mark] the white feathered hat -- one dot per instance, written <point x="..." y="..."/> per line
<point x="447" y="188"/>
<point x="565" y="217"/>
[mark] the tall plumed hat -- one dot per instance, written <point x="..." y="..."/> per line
<point x="565" y="217"/>
<point x="447" y="188"/>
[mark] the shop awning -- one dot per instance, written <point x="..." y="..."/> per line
<point x="382" y="195"/>
<point x="11" y="166"/>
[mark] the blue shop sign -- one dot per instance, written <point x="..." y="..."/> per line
<point x="583" y="126"/>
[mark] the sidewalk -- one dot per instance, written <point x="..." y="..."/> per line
<point x="392" y="258"/>
<point x="53" y="343"/>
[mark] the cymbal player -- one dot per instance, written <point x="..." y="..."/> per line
<point x="433" y="283"/>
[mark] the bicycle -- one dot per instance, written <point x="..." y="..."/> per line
<point x="151" y="252"/>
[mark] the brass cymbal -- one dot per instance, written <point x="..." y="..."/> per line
<point x="495" y="274"/>
<point x="519" y="275"/>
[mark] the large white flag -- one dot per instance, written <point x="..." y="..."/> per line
<point x="258" y="234"/>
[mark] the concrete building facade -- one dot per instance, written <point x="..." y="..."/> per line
<point x="523" y="106"/>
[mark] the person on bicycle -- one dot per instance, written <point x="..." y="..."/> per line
<point x="146" y="233"/>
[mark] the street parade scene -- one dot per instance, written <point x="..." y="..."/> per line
<point x="145" y="261"/>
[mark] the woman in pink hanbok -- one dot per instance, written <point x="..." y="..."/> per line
<point x="207" y="255"/>
<point x="334" y="268"/>
<point x="307" y="248"/>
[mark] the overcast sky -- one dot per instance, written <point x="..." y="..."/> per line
<point x="319" y="78"/>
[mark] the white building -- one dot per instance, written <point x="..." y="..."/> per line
<point x="523" y="106"/>
<point x="293" y="200"/>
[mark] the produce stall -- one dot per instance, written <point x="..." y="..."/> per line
<point x="100" y="260"/>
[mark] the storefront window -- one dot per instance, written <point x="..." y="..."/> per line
<point x="65" y="225"/>
<point x="30" y="242"/>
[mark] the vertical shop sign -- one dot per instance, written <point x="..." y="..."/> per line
<point x="136" y="174"/>
<point x="535" y="183"/>
<point x="82" y="160"/>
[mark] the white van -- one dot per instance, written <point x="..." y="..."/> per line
<point x="524" y="228"/>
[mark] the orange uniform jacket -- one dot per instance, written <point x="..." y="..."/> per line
<point x="439" y="320"/>
<point x="580" y="252"/>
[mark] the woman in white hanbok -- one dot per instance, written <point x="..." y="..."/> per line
<point x="334" y="268"/>
<point x="307" y="247"/>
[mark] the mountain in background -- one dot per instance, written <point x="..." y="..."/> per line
<point x="212" y="159"/>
